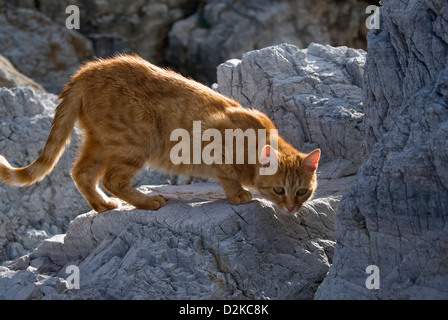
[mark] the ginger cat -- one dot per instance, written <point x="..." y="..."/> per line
<point x="127" y="109"/>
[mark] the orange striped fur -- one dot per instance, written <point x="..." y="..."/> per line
<point x="127" y="109"/>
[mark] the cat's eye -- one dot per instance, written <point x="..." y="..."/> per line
<point x="301" y="191"/>
<point x="279" y="190"/>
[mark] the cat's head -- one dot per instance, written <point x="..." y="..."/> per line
<point x="293" y="182"/>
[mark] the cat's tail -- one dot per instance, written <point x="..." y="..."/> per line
<point x="62" y="126"/>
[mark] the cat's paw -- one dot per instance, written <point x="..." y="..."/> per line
<point x="241" y="197"/>
<point x="154" y="203"/>
<point x="111" y="204"/>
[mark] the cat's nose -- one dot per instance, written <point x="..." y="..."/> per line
<point x="290" y="208"/>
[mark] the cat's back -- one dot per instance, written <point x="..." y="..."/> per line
<point x="129" y="85"/>
<point x="134" y="73"/>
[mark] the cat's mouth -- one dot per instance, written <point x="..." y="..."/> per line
<point x="289" y="212"/>
<point x="286" y="210"/>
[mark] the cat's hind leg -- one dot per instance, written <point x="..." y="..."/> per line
<point x="117" y="180"/>
<point x="87" y="172"/>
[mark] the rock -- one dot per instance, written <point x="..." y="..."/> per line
<point x="236" y="27"/>
<point x="395" y="216"/>
<point x="198" y="246"/>
<point x="39" y="48"/>
<point x="10" y="77"/>
<point x="29" y="285"/>
<point x="31" y="214"/>
<point x="184" y="34"/>
<point x="313" y="95"/>
<point x="140" y="26"/>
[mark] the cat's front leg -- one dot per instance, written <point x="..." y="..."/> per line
<point x="233" y="189"/>
<point x="242" y="196"/>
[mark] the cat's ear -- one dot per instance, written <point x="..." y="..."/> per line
<point x="311" y="160"/>
<point x="268" y="156"/>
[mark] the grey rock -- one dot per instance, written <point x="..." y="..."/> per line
<point x="198" y="246"/>
<point x="29" y="215"/>
<point x="185" y="34"/>
<point x="28" y="284"/>
<point x="395" y="215"/>
<point x="225" y="29"/>
<point x="10" y="77"/>
<point x="112" y="26"/>
<point x="39" y="48"/>
<point x="313" y="95"/>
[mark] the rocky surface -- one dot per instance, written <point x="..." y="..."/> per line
<point x="313" y="95"/>
<point x="198" y="246"/>
<point x="222" y="30"/>
<point x="395" y="216"/>
<point x="10" y="77"/>
<point x="39" y="48"/>
<point x="140" y="26"/>
<point x="193" y="37"/>
<point x="29" y="215"/>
